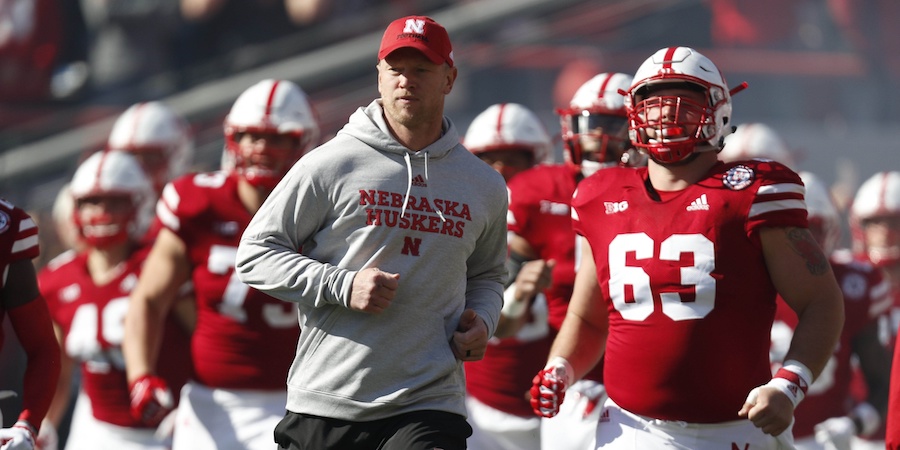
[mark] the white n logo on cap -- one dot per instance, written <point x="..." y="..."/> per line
<point x="415" y="26"/>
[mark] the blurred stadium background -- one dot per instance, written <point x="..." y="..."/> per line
<point x="824" y="74"/>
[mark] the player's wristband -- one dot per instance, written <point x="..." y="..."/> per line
<point x="793" y="379"/>
<point x="512" y="309"/>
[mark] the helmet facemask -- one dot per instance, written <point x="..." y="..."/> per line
<point x="671" y="127"/>
<point x="593" y="140"/>
<point x="105" y="219"/>
<point x="265" y="156"/>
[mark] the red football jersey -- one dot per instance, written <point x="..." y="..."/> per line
<point x="540" y="212"/>
<point x="18" y="241"/>
<point x="865" y="298"/>
<point x="92" y="320"/>
<point x="689" y="296"/>
<point x="244" y="339"/>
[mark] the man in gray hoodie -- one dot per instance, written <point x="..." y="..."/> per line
<point x="391" y="238"/>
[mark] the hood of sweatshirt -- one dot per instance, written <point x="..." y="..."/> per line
<point x="369" y="126"/>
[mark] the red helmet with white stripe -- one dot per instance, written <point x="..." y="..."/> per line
<point x="875" y="219"/>
<point x="112" y="174"/>
<point x="697" y="127"/>
<point x="594" y="126"/>
<point x="158" y="137"/>
<point x="269" y="107"/>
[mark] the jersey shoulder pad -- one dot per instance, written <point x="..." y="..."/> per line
<point x="190" y="195"/>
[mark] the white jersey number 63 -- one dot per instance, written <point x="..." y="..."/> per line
<point x="671" y="249"/>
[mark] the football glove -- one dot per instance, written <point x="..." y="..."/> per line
<point x="18" y="437"/>
<point x="549" y="387"/>
<point x="151" y="399"/>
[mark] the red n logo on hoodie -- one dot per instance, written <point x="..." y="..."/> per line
<point x="411" y="246"/>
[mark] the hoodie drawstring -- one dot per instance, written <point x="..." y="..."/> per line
<point x="409" y="181"/>
<point x="430" y="198"/>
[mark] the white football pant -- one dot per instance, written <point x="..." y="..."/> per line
<point x="621" y="430"/>
<point x="226" y="419"/>
<point x="493" y="429"/>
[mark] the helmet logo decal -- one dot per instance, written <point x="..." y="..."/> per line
<point x="738" y="177"/>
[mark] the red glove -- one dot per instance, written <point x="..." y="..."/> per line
<point x="549" y="387"/>
<point x="151" y="399"/>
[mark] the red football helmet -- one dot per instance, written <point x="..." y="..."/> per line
<point x="269" y="107"/>
<point x="594" y="126"/>
<point x="878" y="201"/>
<point x="159" y="138"/>
<point x="112" y="174"/>
<point x="672" y="141"/>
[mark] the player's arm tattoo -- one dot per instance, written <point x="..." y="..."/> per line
<point x="805" y="245"/>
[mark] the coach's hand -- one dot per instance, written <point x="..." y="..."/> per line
<point x="373" y="290"/>
<point x="469" y="341"/>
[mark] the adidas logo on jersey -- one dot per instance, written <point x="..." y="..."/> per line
<point x="418" y="180"/>
<point x="605" y="416"/>
<point x="700" y="204"/>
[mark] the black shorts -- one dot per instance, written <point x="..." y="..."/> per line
<point x="420" y="430"/>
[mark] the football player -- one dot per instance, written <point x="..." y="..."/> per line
<point x="594" y="135"/>
<point x="87" y="292"/>
<point x="510" y="138"/>
<point x="30" y="318"/>
<point x="830" y="418"/>
<point x="875" y="235"/>
<point x="875" y="232"/>
<point x="680" y="266"/>
<point x="244" y="340"/>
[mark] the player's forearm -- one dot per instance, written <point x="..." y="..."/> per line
<point x="60" y="403"/>
<point x="817" y="332"/>
<point x="144" y="324"/>
<point x="34" y="329"/>
<point x="570" y="344"/>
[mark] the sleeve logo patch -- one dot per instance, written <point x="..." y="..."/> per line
<point x="738" y="177"/>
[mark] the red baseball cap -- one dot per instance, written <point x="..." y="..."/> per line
<point x="421" y="33"/>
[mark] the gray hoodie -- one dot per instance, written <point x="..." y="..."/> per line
<point x="437" y="217"/>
